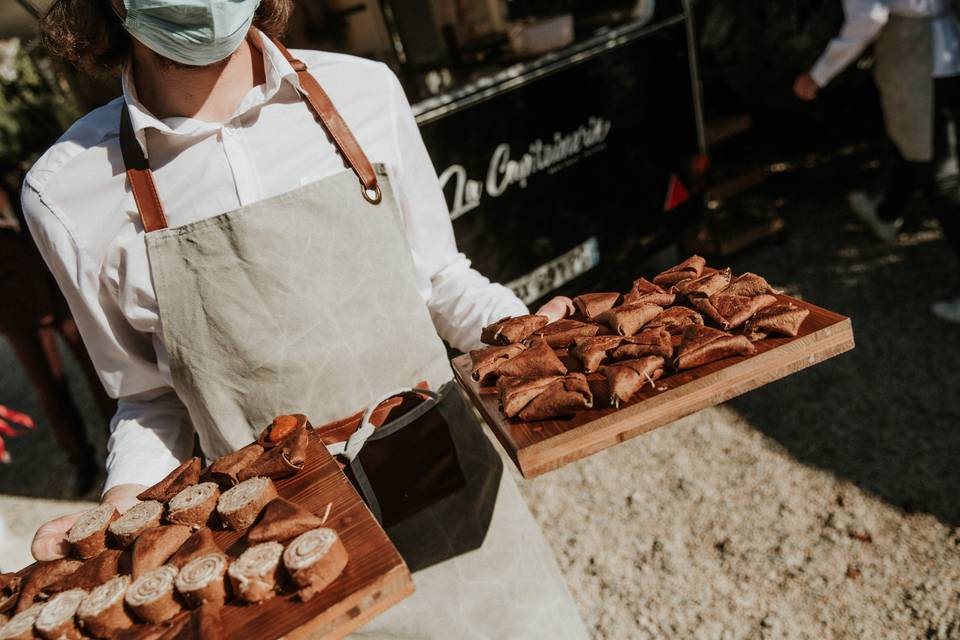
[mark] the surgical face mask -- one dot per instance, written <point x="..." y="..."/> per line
<point x="191" y="32"/>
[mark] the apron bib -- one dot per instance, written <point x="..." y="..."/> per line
<point x="305" y="303"/>
<point x="904" y="76"/>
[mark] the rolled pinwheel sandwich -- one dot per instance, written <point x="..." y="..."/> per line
<point x="253" y="576"/>
<point x="152" y="596"/>
<point x="315" y="559"/>
<point x="194" y="506"/>
<point x="88" y="535"/>
<point x="57" y="618"/>
<point x="135" y="521"/>
<point x="102" y="613"/>
<point x="239" y="506"/>
<point x="202" y="580"/>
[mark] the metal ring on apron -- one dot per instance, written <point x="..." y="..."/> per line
<point x="373" y="196"/>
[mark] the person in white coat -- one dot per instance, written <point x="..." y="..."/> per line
<point x="917" y="49"/>
<point x="249" y="231"/>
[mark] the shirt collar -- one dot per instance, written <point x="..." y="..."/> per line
<point x="277" y="70"/>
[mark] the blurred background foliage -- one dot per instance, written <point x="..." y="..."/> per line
<point x="36" y="106"/>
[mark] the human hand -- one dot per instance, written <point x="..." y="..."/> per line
<point x="50" y="540"/>
<point x="805" y="87"/>
<point x="557" y="309"/>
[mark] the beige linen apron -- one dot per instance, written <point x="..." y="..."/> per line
<point x="305" y="302"/>
<point x="904" y="76"/>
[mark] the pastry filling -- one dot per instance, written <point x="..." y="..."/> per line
<point x="192" y="496"/>
<point x="60" y="609"/>
<point x="151" y="585"/>
<point x="239" y="496"/>
<point x="137" y="516"/>
<point x="103" y="597"/>
<point x="90" y="522"/>
<point x="200" y="572"/>
<point x="257" y="561"/>
<point x="308" y="548"/>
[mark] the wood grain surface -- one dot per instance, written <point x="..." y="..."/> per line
<point x="375" y="578"/>
<point x="538" y="447"/>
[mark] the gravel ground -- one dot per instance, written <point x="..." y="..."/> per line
<point x="821" y="506"/>
<point x="824" y="505"/>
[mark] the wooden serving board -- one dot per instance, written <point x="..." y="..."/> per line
<point x="375" y="578"/>
<point x="538" y="447"/>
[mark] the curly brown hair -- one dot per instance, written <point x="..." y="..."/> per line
<point x="90" y="35"/>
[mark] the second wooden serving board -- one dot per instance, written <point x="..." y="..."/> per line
<point x="538" y="447"/>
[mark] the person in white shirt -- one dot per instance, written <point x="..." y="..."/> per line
<point x="917" y="49"/>
<point x="248" y="232"/>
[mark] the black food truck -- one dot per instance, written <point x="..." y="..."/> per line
<point x="568" y="135"/>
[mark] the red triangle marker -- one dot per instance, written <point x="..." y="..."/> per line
<point x="677" y="194"/>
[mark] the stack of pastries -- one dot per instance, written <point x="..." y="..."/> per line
<point x="156" y="571"/>
<point x="611" y="345"/>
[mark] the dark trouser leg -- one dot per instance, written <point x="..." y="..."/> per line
<point x="68" y="330"/>
<point x="946" y="172"/>
<point x="36" y="351"/>
<point x="904" y="181"/>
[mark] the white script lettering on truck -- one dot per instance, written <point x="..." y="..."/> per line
<point x="503" y="172"/>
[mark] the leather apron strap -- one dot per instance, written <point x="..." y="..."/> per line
<point x="145" y="190"/>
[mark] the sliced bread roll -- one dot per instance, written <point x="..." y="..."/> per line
<point x="88" y="535"/>
<point x="102" y="613"/>
<point x="202" y="580"/>
<point x="135" y="521"/>
<point x="239" y="506"/>
<point x="57" y="618"/>
<point x="152" y="596"/>
<point x="194" y="505"/>
<point x="253" y="576"/>
<point x="314" y="559"/>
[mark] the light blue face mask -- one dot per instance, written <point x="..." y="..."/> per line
<point x="193" y="32"/>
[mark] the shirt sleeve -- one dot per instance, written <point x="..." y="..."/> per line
<point x="151" y="433"/>
<point x="460" y="299"/>
<point x="864" y="20"/>
<point x="149" y="436"/>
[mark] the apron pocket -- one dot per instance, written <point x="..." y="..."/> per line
<point x="408" y="464"/>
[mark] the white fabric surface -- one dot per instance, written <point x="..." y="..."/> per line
<point x="865" y="19"/>
<point x="84" y="220"/>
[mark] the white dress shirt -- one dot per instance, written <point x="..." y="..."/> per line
<point x="82" y="215"/>
<point x="865" y="19"/>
